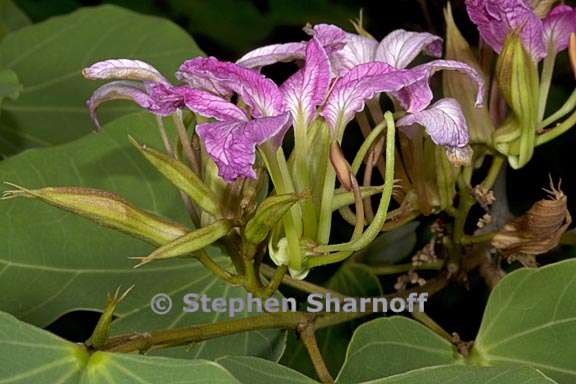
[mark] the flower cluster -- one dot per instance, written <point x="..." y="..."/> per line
<point x="341" y="72"/>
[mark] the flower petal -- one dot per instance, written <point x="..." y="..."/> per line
<point x="418" y="94"/>
<point x="496" y="18"/>
<point x="271" y="54"/>
<point x="444" y="121"/>
<point x="118" y="90"/>
<point x="209" y="105"/>
<point x="558" y="26"/>
<point x="358" y="50"/>
<point x="306" y="89"/>
<point x="258" y="92"/>
<point x="232" y="144"/>
<point x="330" y="37"/>
<point x="400" y="47"/>
<point x="358" y="85"/>
<point x="123" y="69"/>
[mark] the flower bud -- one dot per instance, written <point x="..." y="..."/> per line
<point x="517" y="76"/>
<point x="107" y="209"/>
<point x="190" y="242"/>
<point x="268" y="214"/>
<point x="182" y="177"/>
<point x="460" y="87"/>
<point x="341" y="166"/>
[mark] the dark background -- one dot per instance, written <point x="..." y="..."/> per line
<point x="228" y="28"/>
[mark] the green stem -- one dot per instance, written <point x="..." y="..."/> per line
<point x="217" y="270"/>
<point x="309" y="340"/>
<point x="476" y="239"/>
<point x="401" y="268"/>
<point x="493" y="172"/>
<point x="565" y="109"/>
<point x="380" y="218"/>
<point x="185" y="141"/>
<point x="553" y="133"/>
<point x="546" y="80"/>
<point x="365" y="147"/>
<point x="276" y="278"/>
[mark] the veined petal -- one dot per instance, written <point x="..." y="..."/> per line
<point x="123" y="69"/>
<point x="258" y="92"/>
<point x="444" y="121"/>
<point x="358" y="50"/>
<point x="330" y="37"/>
<point x="118" y="90"/>
<point x="400" y="47"/>
<point x="209" y="105"/>
<point x="271" y="54"/>
<point x="306" y="89"/>
<point x="418" y="95"/>
<point x="358" y="85"/>
<point x="496" y="18"/>
<point x="232" y="144"/>
<point x="558" y="26"/>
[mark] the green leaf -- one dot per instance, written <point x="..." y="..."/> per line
<point x="252" y="370"/>
<point x="53" y="262"/>
<point x="49" y="56"/>
<point x="351" y="279"/>
<point x="10" y="87"/>
<point x="530" y="319"/>
<point x="389" y="346"/>
<point x="32" y="355"/>
<point x="11" y="18"/>
<point x="468" y="375"/>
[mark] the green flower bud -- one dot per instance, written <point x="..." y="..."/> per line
<point x="107" y="209"/>
<point x="517" y="76"/>
<point x="182" y="177"/>
<point x="460" y="87"/>
<point x="268" y="214"/>
<point x="190" y="242"/>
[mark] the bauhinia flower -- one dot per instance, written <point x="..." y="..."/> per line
<point x="367" y="68"/>
<point x="497" y="18"/>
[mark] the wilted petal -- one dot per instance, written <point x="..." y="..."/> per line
<point x="358" y="50"/>
<point x="558" y="26"/>
<point x="443" y="121"/>
<point x="271" y="54"/>
<point x="400" y="47"/>
<point x="232" y="144"/>
<point x="258" y="92"/>
<point x="209" y="105"/>
<point x="418" y="95"/>
<point x="496" y="18"/>
<point x="118" y="90"/>
<point x="123" y="69"/>
<point x="305" y="90"/>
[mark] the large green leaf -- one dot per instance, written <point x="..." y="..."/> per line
<point x="389" y="346"/>
<point x="30" y="355"/>
<point x="468" y="375"/>
<point x="11" y="18"/>
<point x="49" y="56"/>
<point x="351" y="279"/>
<point x="531" y="319"/>
<point x="252" y="370"/>
<point x="52" y="262"/>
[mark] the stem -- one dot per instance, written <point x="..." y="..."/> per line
<point x="546" y="80"/>
<point x="432" y="325"/>
<point x="301" y="285"/>
<point x="483" y="238"/>
<point x="164" y="135"/>
<point x="401" y="268"/>
<point x="466" y="203"/>
<point x="217" y="270"/>
<point x="553" y="133"/>
<point x="560" y="113"/>
<point x="365" y="147"/>
<point x="493" y="172"/>
<point x="309" y="340"/>
<point x="185" y="141"/>
<point x="379" y="219"/>
<point x="276" y="278"/>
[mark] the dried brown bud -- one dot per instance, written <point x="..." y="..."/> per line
<point x="341" y="166"/>
<point x="538" y="230"/>
<point x="459" y="156"/>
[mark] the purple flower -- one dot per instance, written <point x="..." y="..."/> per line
<point x="231" y="142"/>
<point x="558" y="26"/>
<point x="136" y="81"/>
<point x="496" y="18"/>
